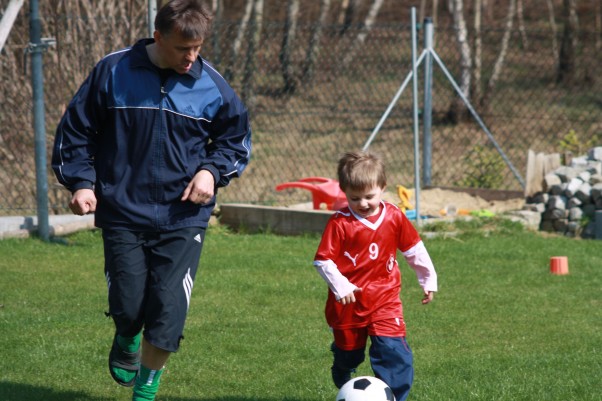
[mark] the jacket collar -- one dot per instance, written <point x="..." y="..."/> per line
<point x="140" y="59"/>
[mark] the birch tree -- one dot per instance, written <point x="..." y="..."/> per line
<point x="366" y="28"/>
<point x="218" y="10"/>
<point x="568" y="47"/>
<point x="253" y="37"/>
<point x="552" y="20"/>
<point x="598" y="23"/>
<point x="314" y="44"/>
<point x="288" y="40"/>
<point x="478" y="48"/>
<point x="521" y="23"/>
<point x="242" y="28"/>
<point x="348" y="11"/>
<point x="458" y="109"/>
<point x="501" y="58"/>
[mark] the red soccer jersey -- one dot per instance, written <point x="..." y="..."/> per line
<point x="365" y="253"/>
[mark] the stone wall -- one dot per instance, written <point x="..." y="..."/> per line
<point x="571" y="197"/>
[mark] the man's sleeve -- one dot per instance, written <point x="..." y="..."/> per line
<point x="229" y="151"/>
<point x="75" y="139"/>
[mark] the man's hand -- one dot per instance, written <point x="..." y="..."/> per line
<point x="83" y="202"/>
<point x="201" y="189"/>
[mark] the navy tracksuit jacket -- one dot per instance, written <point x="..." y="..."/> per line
<point x="138" y="142"/>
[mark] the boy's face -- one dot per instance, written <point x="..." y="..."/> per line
<point x="177" y="52"/>
<point x="365" y="202"/>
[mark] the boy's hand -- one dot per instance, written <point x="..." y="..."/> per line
<point x="349" y="298"/>
<point x="428" y="297"/>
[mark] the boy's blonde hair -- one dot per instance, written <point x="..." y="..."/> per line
<point x="361" y="170"/>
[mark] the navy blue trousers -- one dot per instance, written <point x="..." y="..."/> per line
<point x="150" y="276"/>
<point x="391" y="360"/>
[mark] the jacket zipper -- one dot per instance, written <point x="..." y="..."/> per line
<point x="158" y="158"/>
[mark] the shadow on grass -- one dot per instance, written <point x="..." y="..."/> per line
<point x="23" y="392"/>
<point x="231" y="398"/>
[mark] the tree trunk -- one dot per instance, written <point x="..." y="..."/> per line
<point x="288" y="40"/>
<point x="568" y="47"/>
<point x="361" y="37"/>
<point x="478" y="49"/>
<point x="552" y="19"/>
<point x="253" y="38"/>
<point x="314" y="44"/>
<point x="218" y="10"/>
<point x="231" y="70"/>
<point x="343" y="12"/>
<point x="488" y="10"/>
<point x="521" y="24"/>
<point x="348" y="10"/>
<point x="458" y="109"/>
<point x="598" y="23"/>
<point x="501" y="58"/>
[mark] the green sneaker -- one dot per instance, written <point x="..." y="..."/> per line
<point x="124" y="365"/>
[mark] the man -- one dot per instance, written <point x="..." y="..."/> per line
<point x="146" y="141"/>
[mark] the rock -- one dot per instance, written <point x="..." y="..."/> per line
<point x="596" y="192"/>
<point x="574" y="202"/>
<point x="565" y="173"/>
<point x="557" y="202"/>
<point x="573" y="227"/>
<point x="584" y="193"/>
<point x="547" y="226"/>
<point x="530" y="219"/>
<point x="575" y="214"/>
<point x="551" y="180"/>
<point x="595" y="153"/>
<point x="572" y="186"/>
<point x="560" y="225"/>
<point x="535" y="207"/>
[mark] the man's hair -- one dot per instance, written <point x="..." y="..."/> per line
<point x="191" y="18"/>
<point x="361" y="170"/>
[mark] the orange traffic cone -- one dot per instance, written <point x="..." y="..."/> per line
<point x="559" y="265"/>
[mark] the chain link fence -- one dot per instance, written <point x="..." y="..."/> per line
<point x="321" y="96"/>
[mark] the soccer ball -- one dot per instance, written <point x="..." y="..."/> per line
<point x="365" y="388"/>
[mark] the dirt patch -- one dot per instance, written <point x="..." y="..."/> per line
<point x="438" y="202"/>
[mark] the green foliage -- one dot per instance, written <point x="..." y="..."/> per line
<point x="572" y="143"/>
<point x="501" y="326"/>
<point x="483" y="168"/>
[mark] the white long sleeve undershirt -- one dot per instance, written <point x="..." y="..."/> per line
<point x="337" y="283"/>
<point x="420" y="261"/>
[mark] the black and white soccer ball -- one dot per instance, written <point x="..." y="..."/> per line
<point x="365" y="388"/>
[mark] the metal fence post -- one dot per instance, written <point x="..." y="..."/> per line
<point x="427" y="115"/>
<point x="37" y="82"/>
<point x="415" y="115"/>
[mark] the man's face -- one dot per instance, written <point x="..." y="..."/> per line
<point x="176" y="52"/>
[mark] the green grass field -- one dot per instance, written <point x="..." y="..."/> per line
<point x="501" y="327"/>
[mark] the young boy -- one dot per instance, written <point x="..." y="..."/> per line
<point x="357" y="259"/>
